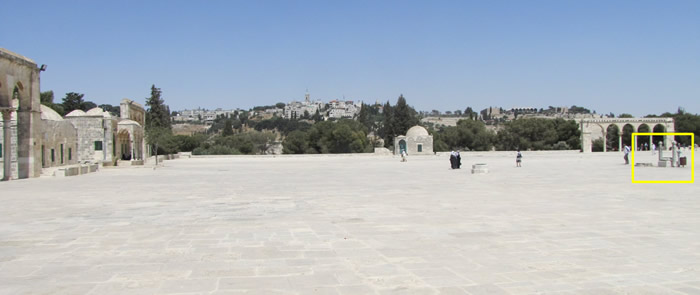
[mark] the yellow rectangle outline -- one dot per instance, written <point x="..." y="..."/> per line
<point x="692" y="163"/>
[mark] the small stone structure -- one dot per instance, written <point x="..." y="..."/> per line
<point x="417" y="141"/>
<point x="480" y="168"/>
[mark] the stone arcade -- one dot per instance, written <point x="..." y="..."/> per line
<point x="592" y="129"/>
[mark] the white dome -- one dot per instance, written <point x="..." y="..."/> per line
<point x="49" y="114"/>
<point x="96" y="111"/>
<point x="416" y="131"/>
<point x="76" y="113"/>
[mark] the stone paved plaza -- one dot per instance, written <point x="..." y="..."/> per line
<point x="564" y="223"/>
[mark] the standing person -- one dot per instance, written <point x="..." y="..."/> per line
<point x="646" y="146"/>
<point x="518" y="159"/>
<point x="453" y="160"/>
<point x="403" y="156"/>
<point x="627" y="152"/>
<point x="458" y="160"/>
<point x="653" y="149"/>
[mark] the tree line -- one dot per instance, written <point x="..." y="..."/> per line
<point x="74" y="101"/>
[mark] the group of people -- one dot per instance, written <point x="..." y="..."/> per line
<point x="455" y="160"/>
<point x="675" y="149"/>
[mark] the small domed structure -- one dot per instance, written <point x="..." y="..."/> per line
<point x="417" y="141"/>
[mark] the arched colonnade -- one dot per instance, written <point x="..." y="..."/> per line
<point x="618" y="131"/>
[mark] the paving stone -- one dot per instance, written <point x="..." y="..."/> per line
<point x="564" y="223"/>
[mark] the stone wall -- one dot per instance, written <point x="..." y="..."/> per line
<point x="90" y="130"/>
<point x="55" y="134"/>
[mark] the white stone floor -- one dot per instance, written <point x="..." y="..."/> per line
<point x="564" y="223"/>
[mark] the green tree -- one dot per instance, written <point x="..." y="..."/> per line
<point x="538" y="134"/>
<point x="46" y="97"/>
<point x="387" y="131"/>
<point x="295" y="143"/>
<point x="158" y="127"/>
<point x="113" y="110"/>
<point x="228" y="128"/>
<point x="72" y="101"/>
<point x="364" y="117"/>
<point x="317" y="116"/>
<point x="625" y="115"/>
<point x="404" y="117"/>
<point x="157" y="112"/>
<point x="468" y="134"/>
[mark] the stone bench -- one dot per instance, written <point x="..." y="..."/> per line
<point x="76" y="170"/>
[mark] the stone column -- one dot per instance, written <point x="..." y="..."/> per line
<point x="7" y="143"/>
<point x="605" y="141"/>
<point x="619" y="144"/>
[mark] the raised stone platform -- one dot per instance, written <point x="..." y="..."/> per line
<point x="565" y="223"/>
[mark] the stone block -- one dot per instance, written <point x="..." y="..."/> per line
<point x="480" y="168"/>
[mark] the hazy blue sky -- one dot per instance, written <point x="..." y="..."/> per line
<point x="610" y="56"/>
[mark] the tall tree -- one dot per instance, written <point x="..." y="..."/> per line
<point x="157" y="113"/>
<point x="404" y="117"/>
<point x="228" y="128"/>
<point x="158" y="127"/>
<point x="73" y="101"/>
<point x="386" y="131"/>
<point x="364" y="117"/>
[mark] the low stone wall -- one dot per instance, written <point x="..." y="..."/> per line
<point x="76" y="169"/>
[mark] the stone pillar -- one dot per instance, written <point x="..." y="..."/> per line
<point x="605" y="141"/>
<point x="619" y="144"/>
<point x="131" y="143"/>
<point x="586" y="143"/>
<point x="7" y="143"/>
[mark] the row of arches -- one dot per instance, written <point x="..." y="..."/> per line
<point x="615" y="138"/>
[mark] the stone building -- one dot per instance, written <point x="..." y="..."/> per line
<point x="96" y="129"/>
<point x="35" y="136"/>
<point x="417" y="141"/>
<point x="59" y="140"/>
<point x="104" y="138"/>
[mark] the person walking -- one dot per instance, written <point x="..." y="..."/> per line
<point x="627" y="152"/>
<point x="403" y="156"/>
<point x="653" y="149"/>
<point x="458" y="159"/>
<point x="518" y="159"/>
